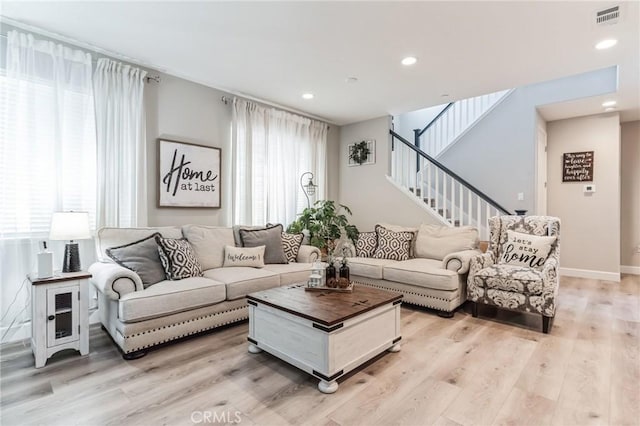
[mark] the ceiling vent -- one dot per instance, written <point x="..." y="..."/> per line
<point x="608" y="16"/>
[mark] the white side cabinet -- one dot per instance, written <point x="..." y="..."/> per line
<point x="59" y="315"/>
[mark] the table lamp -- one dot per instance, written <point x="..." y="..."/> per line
<point x="70" y="226"/>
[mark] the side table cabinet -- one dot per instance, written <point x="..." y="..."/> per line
<point x="59" y="315"/>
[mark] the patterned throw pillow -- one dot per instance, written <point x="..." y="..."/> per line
<point x="526" y="250"/>
<point x="366" y="244"/>
<point x="392" y="245"/>
<point x="178" y="259"/>
<point x="291" y="244"/>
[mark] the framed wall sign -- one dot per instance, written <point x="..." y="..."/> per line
<point x="361" y="153"/>
<point x="189" y="175"/>
<point x="577" y="166"/>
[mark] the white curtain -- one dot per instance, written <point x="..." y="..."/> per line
<point x="47" y="157"/>
<point x="271" y="149"/>
<point x="120" y="126"/>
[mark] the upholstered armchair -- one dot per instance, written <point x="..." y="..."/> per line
<point x="520" y="279"/>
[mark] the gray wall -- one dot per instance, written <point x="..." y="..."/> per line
<point x="181" y="110"/>
<point x="508" y="132"/>
<point x="630" y="195"/>
<point x="590" y="230"/>
<point x="366" y="190"/>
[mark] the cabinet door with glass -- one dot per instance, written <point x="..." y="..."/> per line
<point x="62" y="315"/>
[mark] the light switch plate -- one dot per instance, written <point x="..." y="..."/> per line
<point x="590" y="188"/>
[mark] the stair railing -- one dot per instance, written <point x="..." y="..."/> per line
<point x="443" y="191"/>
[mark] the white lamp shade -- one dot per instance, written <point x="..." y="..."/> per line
<point x="70" y="226"/>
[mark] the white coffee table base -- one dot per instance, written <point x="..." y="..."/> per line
<point x="326" y="352"/>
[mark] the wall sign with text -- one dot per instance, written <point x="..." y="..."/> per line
<point x="577" y="166"/>
<point x="189" y="175"/>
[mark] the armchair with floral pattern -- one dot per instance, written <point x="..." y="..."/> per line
<point x="516" y="288"/>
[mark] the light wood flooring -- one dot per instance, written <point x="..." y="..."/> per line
<point x="496" y="369"/>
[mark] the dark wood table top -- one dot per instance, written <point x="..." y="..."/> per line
<point x="59" y="277"/>
<point x="326" y="307"/>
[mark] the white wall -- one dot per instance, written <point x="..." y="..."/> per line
<point x="366" y="190"/>
<point x="404" y="124"/>
<point x="498" y="154"/>
<point x="590" y="229"/>
<point x="630" y="199"/>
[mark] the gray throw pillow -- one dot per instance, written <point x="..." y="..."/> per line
<point x="142" y="258"/>
<point x="270" y="237"/>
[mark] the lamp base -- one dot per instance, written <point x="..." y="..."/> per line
<point x="71" y="258"/>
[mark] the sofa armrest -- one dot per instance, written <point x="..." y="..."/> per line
<point x="459" y="260"/>
<point x="113" y="280"/>
<point x="308" y="254"/>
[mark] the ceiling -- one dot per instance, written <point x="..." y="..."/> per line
<point x="278" y="50"/>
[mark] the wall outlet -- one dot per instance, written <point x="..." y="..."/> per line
<point x="520" y="196"/>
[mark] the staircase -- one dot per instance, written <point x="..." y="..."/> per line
<point x="453" y="200"/>
<point x="454" y="121"/>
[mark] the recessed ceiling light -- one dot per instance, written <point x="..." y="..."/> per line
<point x="605" y="44"/>
<point x="409" y="60"/>
<point x="609" y="109"/>
<point x="307" y="96"/>
<point x="445" y="95"/>
<point x="351" y="79"/>
<point x="608" y="104"/>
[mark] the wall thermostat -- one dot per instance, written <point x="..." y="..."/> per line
<point x="589" y="188"/>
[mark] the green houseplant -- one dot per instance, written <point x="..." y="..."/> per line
<point x="324" y="222"/>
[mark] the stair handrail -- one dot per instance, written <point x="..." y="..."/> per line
<point x="441" y="166"/>
<point x="440" y="114"/>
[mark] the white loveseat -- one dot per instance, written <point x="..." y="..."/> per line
<point x="138" y="318"/>
<point x="435" y="275"/>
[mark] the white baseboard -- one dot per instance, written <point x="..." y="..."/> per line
<point x="586" y="273"/>
<point x="634" y="270"/>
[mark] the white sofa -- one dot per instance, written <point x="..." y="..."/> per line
<point x="138" y="318"/>
<point x="435" y="275"/>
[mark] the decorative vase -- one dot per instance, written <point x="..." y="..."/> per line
<point x="344" y="271"/>
<point x="330" y="272"/>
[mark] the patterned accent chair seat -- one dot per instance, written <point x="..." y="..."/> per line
<point x="514" y="287"/>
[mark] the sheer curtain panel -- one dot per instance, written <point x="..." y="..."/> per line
<point x="270" y="151"/>
<point x="120" y="126"/>
<point x="47" y="156"/>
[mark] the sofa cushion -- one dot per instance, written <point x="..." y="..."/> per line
<point x="526" y="250"/>
<point x="178" y="259"/>
<point x="169" y="297"/>
<point x="368" y="267"/>
<point x="393" y="245"/>
<point x="241" y="281"/>
<point x="291" y="273"/>
<point x="270" y="237"/>
<point x="437" y="241"/>
<point x="208" y="243"/>
<point x="514" y="278"/>
<point x="291" y="245"/>
<point x="366" y="244"/>
<point x="141" y="257"/>
<point x="116" y="237"/>
<point x="426" y="273"/>
<point x="252" y="257"/>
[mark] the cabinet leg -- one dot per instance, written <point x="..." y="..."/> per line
<point x="327" y="387"/>
<point x="474" y="309"/>
<point x="253" y="349"/>
<point x="395" y="348"/>
<point x="41" y="360"/>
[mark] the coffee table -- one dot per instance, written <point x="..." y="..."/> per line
<point x="326" y="334"/>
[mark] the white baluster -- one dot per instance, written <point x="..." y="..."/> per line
<point x="479" y="212"/>
<point x="470" y="208"/>
<point x="444" y="194"/>
<point x="437" y="188"/>
<point x="461" y="209"/>
<point x="423" y="170"/>
<point x="429" y="181"/>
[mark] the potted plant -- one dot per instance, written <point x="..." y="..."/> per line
<point x="324" y="223"/>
